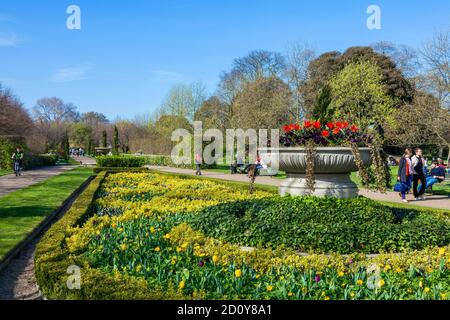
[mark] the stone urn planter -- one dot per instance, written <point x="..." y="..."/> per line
<point x="333" y="166"/>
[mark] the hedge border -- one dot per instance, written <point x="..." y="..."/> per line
<point x="52" y="258"/>
<point x="13" y="253"/>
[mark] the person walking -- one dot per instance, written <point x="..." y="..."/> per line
<point x="418" y="164"/>
<point x="198" y="164"/>
<point x="405" y="173"/>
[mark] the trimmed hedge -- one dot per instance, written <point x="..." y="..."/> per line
<point x="123" y="161"/>
<point x="323" y="225"/>
<point x="52" y="261"/>
<point x="117" y="170"/>
<point x="33" y="161"/>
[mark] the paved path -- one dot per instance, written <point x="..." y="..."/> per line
<point x="438" y="202"/>
<point x="88" y="161"/>
<point x="11" y="183"/>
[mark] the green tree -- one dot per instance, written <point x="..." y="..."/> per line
<point x="116" y="143"/>
<point x="104" y="139"/>
<point x="263" y="104"/>
<point x="359" y="96"/>
<point x="80" y="134"/>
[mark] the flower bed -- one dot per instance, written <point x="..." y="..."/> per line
<point x="140" y="240"/>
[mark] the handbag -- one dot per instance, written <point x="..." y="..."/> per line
<point x="400" y="187"/>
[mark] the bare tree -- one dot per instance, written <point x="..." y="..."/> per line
<point x="299" y="56"/>
<point x="405" y="58"/>
<point x="55" y="110"/>
<point x="256" y="65"/>
<point x="436" y="56"/>
<point x="184" y="100"/>
<point x="14" y="119"/>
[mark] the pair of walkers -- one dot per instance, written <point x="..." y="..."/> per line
<point x="411" y="171"/>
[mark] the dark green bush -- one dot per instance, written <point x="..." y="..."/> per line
<point x="8" y="145"/>
<point x="323" y="225"/>
<point x="123" y="161"/>
<point x="33" y="161"/>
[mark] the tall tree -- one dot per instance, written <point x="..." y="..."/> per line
<point x="214" y="114"/>
<point x="298" y="58"/>
<point x="14" y="118"/>
<point x="256" y="65"/>
<point x="263" y="104"/>
<point x="436" y="56"/>
<point x="329" y="64"/>
<point x="359" y="96"/>
<point x="116" y="142"/>
<point x="184" y="100"/>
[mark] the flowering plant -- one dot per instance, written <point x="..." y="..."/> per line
<point x="323" y="134"/>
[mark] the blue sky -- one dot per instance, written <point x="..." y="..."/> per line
<point x="128" y="54"/>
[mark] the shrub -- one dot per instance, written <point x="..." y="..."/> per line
<point x="322" y="225"/>
<point x="8" y="145"/>
<point x="148" y="249"/>
<point x="123" y="161"/>
<point x="33" y="161"/>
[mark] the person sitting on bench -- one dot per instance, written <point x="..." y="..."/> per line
<point x="437" y="175"/>
<point x="238" y="164"/>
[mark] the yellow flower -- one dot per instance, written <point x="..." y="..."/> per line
<point x="443" y="296"/>
<point x="381" y="283"/>
<point x="341" y="274"/>
<point x="238" y="273"/>
<point x="352" y="294"/>
<point x="114" y="226"/>
<point x="359" y="282"/>
<point x="215" y="259"/>
<point x="420" y="284"/>
<point x="387" y="268"/>
<point x="138" y="268"/>
<point x="398" y="270"/>
<point x="157" y="249"/>
<point x="426" y="290"/>
<point x="152" y="230"/>
<point x="167" y="236"/>
<point x="181" y="285"/>
<point x="178" y="249"/>
<point x="327" y="298"/>
<point x="258" y="276"/>
<point x="441" y="251"/>
<point x="269" y="288"/>
<point x="123" y="246"/>
<point x="290" y="294"/>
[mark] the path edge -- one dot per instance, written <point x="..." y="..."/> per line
<point x="13" y="253"/>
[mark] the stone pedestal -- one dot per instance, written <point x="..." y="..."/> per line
<point x="332" y="169"/>
<point x="326" y="185"/>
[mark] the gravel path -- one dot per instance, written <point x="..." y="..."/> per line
<point x="438" y="202"/>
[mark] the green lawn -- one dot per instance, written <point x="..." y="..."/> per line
<point x="4" y="172"/>
<point x="23" y="210"/>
